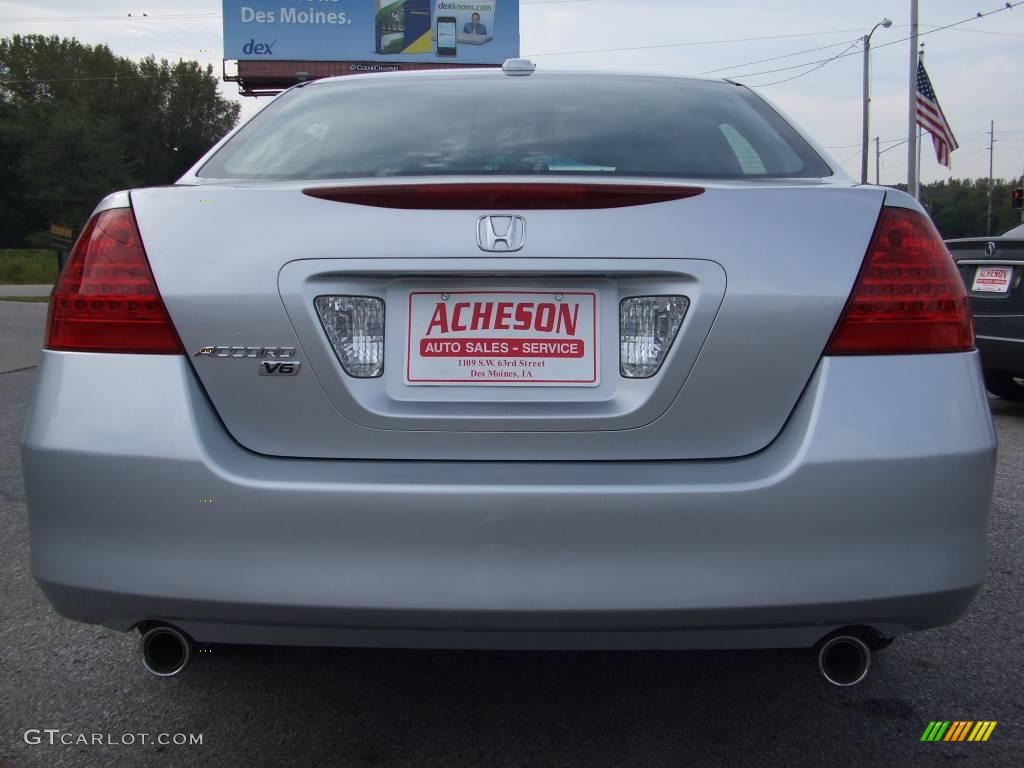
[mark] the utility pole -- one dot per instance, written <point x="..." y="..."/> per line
<point x="878" y="158"/>
<point x="912" y="119"/>
<point x="991" y="157"/>
<point x="866" y="110"/>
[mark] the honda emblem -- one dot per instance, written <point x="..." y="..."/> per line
<point x="501" y="233"/>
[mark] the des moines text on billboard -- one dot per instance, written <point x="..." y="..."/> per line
<point x="409" y="31"/>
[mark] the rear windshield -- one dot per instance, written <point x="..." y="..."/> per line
<point x="498" y="125"/>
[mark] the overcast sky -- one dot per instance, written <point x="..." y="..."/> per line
<point x="977" y="68"/>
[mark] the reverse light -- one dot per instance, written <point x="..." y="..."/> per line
<point x="908" y="298"/>
<point x="106" y="299"/>
<point x="647" y="327"/>
<point x="355" y="328"/>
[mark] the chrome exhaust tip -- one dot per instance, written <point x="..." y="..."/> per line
<point x="844" y="660"/>
<point x="165" y="650"/>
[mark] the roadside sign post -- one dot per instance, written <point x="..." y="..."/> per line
<point x="61" y="239"/>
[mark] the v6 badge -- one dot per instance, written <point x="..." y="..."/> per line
<point x="275" y="368"/>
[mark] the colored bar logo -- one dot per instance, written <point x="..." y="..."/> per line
<point x="958" y="730"/>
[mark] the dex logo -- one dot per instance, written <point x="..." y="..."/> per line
<point x="501" y="233"/>
<point x="252" y="48"/>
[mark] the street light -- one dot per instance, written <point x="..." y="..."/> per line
<point x="867" y="98"/>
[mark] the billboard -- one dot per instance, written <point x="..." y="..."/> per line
<point x="405" y="31"/>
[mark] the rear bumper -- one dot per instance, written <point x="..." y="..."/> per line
<point x="870" y="508"/>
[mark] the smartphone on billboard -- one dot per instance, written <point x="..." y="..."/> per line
<point x="446" y="35"/>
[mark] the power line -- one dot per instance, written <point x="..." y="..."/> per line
<point x="857" y="144"/>
<point x="980" y="15"/>
<point x="127" y="17"/>
<point x="553" y="53"/>
<point x="973" y="31"/>
<point x="931" y="163"/>
<point x="822" y="65"/>
<point x="158" y="16"/>
<point x="776" y="58"/>
<point x="855" y="154"/>
<point x="145" y="16"/>
<point x="894" y="146"/>
<point x="821" y="62"/>
<point x="967" y="150"/>
<point x="692" y="43"/>
<point x="695" y="43"/>
<point x="958" y="157"/>
<point x="986" y="32"/>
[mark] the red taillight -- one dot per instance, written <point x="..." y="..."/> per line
<point x="106" y="299"/>
<point x="504" y="196"/>
<point x="908" y="297"/>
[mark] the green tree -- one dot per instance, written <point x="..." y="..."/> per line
<point x="959" y="207"/>
<point x="78" y="122"/>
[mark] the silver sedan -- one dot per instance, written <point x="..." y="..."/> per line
<point x="512" y="359"/>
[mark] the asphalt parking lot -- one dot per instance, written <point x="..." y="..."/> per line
<point x="296" y="707"/>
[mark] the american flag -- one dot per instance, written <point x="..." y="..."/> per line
<point x="931" y="118"/>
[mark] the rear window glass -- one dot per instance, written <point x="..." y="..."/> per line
<point x="497" y="125"/>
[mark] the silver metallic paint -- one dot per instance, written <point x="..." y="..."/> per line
<point x="870" y="507"/>
<point x="863" y="500"/>
<point x="785" y="256"/>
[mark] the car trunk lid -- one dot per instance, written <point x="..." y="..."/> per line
<point x="765" y="269"/>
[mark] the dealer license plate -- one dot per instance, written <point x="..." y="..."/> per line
<point x="992" y="279"/>
<point x="498" y="338"/>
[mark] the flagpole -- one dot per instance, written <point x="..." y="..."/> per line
<point x="912" y="127"/>
<point x="920" y="135"/>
